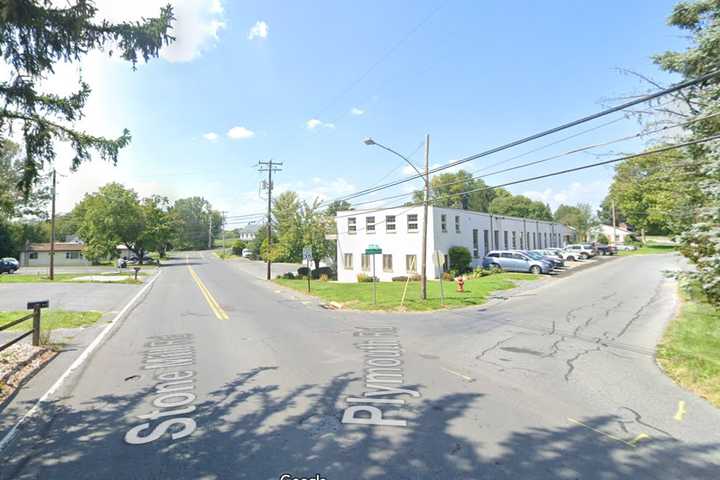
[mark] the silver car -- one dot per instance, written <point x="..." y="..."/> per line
<point x="516" y="261"/>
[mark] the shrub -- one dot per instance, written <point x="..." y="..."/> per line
<point x="603" y="239"/>
<point x="415" y="277"/>
<point x="401" y="278"/>
<point x="364" y="278"/>
<point x="289" y="276"/>
<point x="324" y="278"/>
<point x="448" y="276"/>
<point x="317" y="273"/>
<point x="460" y="259"/>
<point x="238" y="246"/>
<point x="303" y="271"/>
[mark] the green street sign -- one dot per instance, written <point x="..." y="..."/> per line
<point x="373" y="250"/>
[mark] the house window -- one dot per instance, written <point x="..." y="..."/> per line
<point x="476" y="244"/>
<point x="514" y="241"/>
<point x="412" y="222"/>
<point x="387" y="263"/>
<point x="352" y="225"/>
<point x="528" y="240"/>
<point x="72" y="255"/>
<point x="446" y="263"/>
<point x="457" y="223"/>
<point x="365" y="262"/>
<point x="390" y="223"/>
<point x="486" y="241"/>
<point x="347" y="261"/>
<point x="411" y="263"/>
<point x="33" y="256"/>
<point x="370" y="224"/>
<point x="505" y="240"/>
<point x="443" y="223"/>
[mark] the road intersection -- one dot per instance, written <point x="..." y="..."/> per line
<point x="557" y="382"/>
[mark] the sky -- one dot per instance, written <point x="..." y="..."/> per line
<point x="304" y="83"/>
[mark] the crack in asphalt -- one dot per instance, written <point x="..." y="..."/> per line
<point x="571" y="361"/>
<point x="487" y="350"/>
<point x="638" y="419"/>
<point x="639" y="311"/>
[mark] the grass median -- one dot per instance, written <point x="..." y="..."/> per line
<point x="50" y="319"/>
<point x="690" y="348"/>
<point x="649" y="250"/>
<point x="359" y="296"/>
<point x="71" y="278"/>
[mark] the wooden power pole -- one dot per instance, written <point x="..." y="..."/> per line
<point x="269" y="167"/>
<point x="52" y="228"/>
<point x="423" y="271"/>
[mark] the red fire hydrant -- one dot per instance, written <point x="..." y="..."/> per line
<point x="460" y="283"/>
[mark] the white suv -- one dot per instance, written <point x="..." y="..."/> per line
<point x="584" y="250"/>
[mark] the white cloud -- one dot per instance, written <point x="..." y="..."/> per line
<point x="196" y="26"/>
<point x="357" y="111"/>
<point x="240" y="133"/>
<point x="313" y="123"/>
<point x="259" y="30"/>
<point x="408" y="170"/>
<point x="592" y="193"/>
<point x="211" y="136"/>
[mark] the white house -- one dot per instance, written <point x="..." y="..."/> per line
<point x="66" y="254"/>
<point x="249" y="232"/>
<point x="398" y="232"/>
<point x="620" y="234"/>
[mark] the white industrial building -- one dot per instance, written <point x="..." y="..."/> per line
<point x="398" y="232"/>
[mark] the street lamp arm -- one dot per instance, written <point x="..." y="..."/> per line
<point x="407" y="160"/>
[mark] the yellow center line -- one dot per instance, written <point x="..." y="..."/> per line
<point x="630" y="444"/>
<point x="214" y="305"/>
<point x="681" y="411"/>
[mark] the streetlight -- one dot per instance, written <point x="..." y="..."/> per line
<point x="426" y="178"/>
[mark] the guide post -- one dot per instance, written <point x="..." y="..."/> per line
<point x="373" y="250"/>
<point x="307" y="256"/>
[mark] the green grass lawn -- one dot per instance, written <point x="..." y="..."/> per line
<point x="649" y="249"/>
<point x="50" y="319"/>
<point x="359" y="295"/>
<point x="690" y="348"/>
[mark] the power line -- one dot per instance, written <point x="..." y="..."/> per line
<point x="608" y="111"/>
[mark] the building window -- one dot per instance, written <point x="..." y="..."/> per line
<point x="534" y="241"/>
<point x="387" y="263"/>
<point x="486" y="241"/>
<point x="446" y="263"/>
<point x="412" y="222"/>
<point x="496" y="239"/>
<point x="546" y="240"/>
<point x="457" y="223"/>
<point x="33" y="256"/>
<point x="505" y="240"/>
<point x="347" y="261"/>
<point x="365" y="262"/>
<point x="514" y="241"/>
<point x="443" y="223"/>
<point x="411" y="263"/>
<point x="370" y="224"/>
<point x="390" y="223"/>
<point x="476" y="244"/>
<point x="352" y="225"/>
<point x="528" y="240"/>
<point x="72" y="255"/>
<point x="521" y="242"/>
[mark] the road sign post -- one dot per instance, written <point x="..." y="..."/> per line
<point x="307" y="256"/>
<point x="373" y="250"/>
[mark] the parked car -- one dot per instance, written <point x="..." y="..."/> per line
<point x="516" y="261"/>
<point x="247" y="253"/>
<point x="121" y="262"/>
<point x="622" y="248"/>
<point x="585" y="250"/>
<point x="603" y="249"/>
<point x="9" y="265"/>
<point x="135" y="260"/>
<point x="557" y="260"/>
<point x="565" y="254"/>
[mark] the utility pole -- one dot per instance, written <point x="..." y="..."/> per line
<point x="269" y="167"/>
<point x="423" y="272"/>
<point x="210" y="229"/>
<point x="614" y="239"/>
<point x="52" y="228"/>
<point x="223" y="233"/>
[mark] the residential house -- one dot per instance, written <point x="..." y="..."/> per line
<point x="616" y="235"/>
<point x="66" y="254"/>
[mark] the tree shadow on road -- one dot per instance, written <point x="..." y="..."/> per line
<point x="250" y="428"/>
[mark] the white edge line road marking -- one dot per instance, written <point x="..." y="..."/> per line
<point x="464" y="377"/>
<point x="78" y="361"/>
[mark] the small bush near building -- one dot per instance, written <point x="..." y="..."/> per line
<point x="238" y="247"/>
<point x="303" y="271"/>
<point x="460" y="260"/>
<point x="364" y="278"/>
<point x="401" y="278"/>
<point x="324" y="278"/>
<point x="448" y="276"/>
<point x="317" y="273"/>
<point x="603" y="239"/>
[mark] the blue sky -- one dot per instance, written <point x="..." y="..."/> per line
<point x="471" y="74"/>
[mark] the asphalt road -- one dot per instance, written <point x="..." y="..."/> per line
<point x="215" y="375"/>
